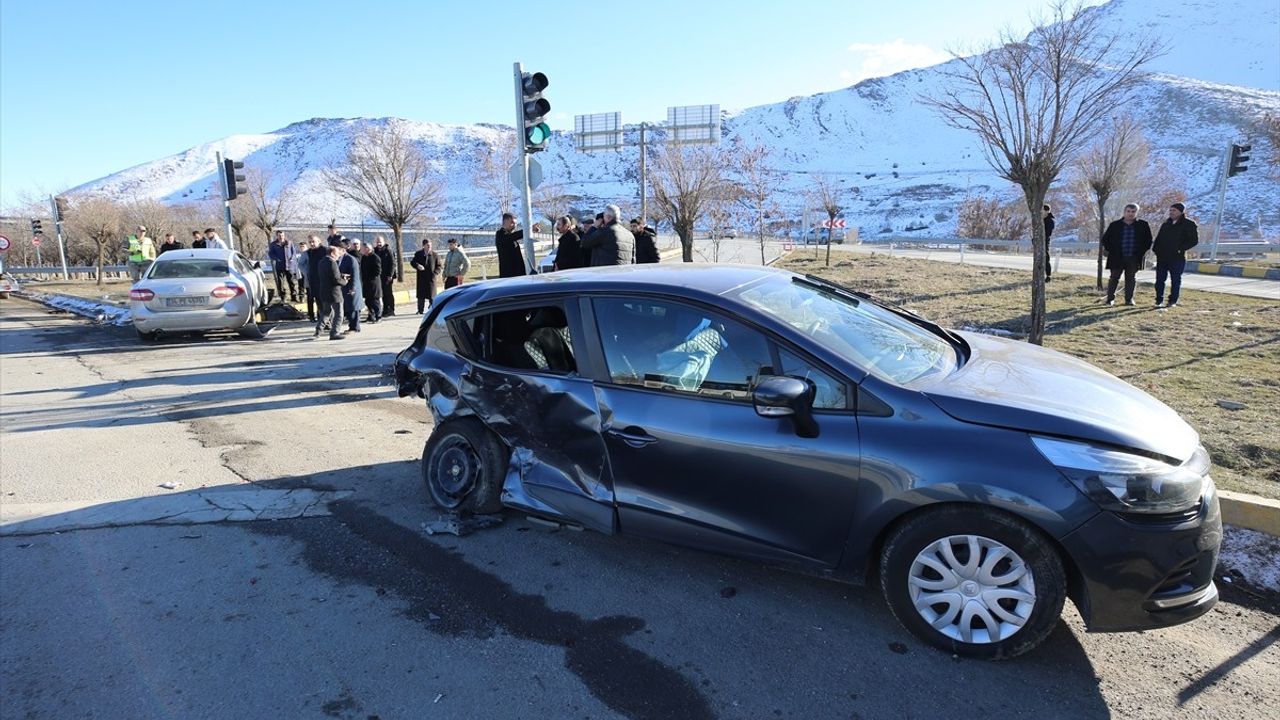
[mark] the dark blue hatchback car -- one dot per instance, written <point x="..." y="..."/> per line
<point x="774" y="416"/>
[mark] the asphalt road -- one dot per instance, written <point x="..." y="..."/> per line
<point x="350" y="610"/>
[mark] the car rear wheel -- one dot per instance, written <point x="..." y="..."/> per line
<point x="973" y="581"/>
<point x="463" y="466"/>
<point x="145" y="336"/>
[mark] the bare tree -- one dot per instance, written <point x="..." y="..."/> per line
<point x="267" y="209"/>
<point x="756" y="181"/>
<point x="1108" y="164"/>
<point x="550" y="201"/>
<point x="491" y="171"/>
<point x="827" y="197"/>
<point x="100" y="220"/>
<point x="1270" y="126"/>
<point x="1036" y="103"/>
<point x="388" y="175"/>
<point x="990" y="218"/>
<point x="686" y="181"/>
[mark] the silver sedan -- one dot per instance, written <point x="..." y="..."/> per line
<point x="198" y="290"/>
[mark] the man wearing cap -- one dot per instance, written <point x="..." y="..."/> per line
<point x="1176" y="236"/>
<point x="612" y="244"/>
<point x="142" y="251"/>
<point x="456" y="265"/>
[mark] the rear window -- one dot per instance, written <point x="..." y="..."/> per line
<point x="189" y="269"/>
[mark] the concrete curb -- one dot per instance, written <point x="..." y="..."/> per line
<point x="1250" y="511"/>
<point x="1242" y="271"/>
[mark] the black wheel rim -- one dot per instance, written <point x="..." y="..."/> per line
<point x="453" y="471"/>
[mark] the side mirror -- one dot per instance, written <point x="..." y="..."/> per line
<point x="789" y="397"/>
<point x="257" y="265"/>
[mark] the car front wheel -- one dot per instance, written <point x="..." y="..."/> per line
<point x="973" y="581"/>
<point x="463" y="466"/>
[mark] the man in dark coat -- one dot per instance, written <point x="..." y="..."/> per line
<point x="568" y="246"/>
<point x="426" y="263"/>
<point x="387" y="279"/>
<point x="646" y="245"/>
<point x="1177" y="235"/>
<point x="507" y="240"/>
<point x="170" y="243"/>
<point x="612" y="244"/>
<point x="1125" y="242"/>
<point x="1047" y="214"/>
<point x="197" y="239"/>
<point x="328" y="283"/>
<point x="371" y="283"/>
<point x="280" y="252"/>
<point x="353" y="292"/>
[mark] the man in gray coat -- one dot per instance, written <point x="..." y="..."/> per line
<point x="612" y="244"/>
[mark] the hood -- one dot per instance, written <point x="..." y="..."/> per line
<point x="1017" y="385"/>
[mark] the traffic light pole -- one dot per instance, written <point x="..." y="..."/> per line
<point x="226" y="203"/>
<point x="1222" y="201"/>
<point x="526" y="201"/>
<point x="644" y="196"/>
<point x="57" y="228"/>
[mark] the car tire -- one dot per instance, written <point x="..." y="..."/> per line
<point x="1016" y="571"/>
<point x="464" y="466"/>
<point x="145" y="336"/>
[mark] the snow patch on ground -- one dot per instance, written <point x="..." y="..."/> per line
<point x="104" y="313"/>
<point x="1251" y="556"/>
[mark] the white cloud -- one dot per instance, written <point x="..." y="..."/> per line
<point x="880" y="59"/>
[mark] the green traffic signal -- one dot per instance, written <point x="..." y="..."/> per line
<point x="537" y="135"/>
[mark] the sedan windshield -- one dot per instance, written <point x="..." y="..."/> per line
<point x="881" y="342"/>
<point x="189" y="269"/>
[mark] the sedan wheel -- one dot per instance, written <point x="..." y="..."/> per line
<point x="973" y="581"/>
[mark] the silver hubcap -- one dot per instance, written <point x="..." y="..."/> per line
<point x="972" y="589"/>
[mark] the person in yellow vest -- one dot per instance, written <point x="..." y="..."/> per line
<point x="142" y="251"/>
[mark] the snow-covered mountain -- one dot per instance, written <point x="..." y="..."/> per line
<point x="904" y="170"/>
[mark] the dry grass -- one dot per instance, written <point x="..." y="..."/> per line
<point x="1211" y="347"/>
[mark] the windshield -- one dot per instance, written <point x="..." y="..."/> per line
<point x="881" y="342"/>
<point x="189" y="269"/>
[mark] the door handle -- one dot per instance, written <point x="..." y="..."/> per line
<point x="633" y="436"/>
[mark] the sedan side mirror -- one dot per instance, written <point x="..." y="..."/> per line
<point x="257" y="265"/>
<point x="787" y="397"/>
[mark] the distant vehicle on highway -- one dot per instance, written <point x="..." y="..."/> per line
<point x="818" y="236"/>
<point x="198" y="290"/>
<point x="8" y="284"/>
<point x="755" y="412"/>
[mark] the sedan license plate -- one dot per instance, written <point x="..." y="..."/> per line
<point x="186" y="301"/>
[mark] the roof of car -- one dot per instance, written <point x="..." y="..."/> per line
<point x="188" y="253"/>
<point x="703" y="278"/>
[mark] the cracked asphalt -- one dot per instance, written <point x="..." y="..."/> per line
<point x="357" y="613"/>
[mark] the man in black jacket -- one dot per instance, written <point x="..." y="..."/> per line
<point x="507" y="240"/>
<point x="1126" y="241"/>
<point x="1047" y="214"/>
<point x="646" y="246"/>
<point x="1177" y="235"/>
<point x="612" y="244"/>
<point x="371" y="283"/>
<point x="388" y="278"/>
<point x="316" y="254"/>
<point x="427" y="265"/>
<point x="328" y="284"/>
<point x="569" y="246"/>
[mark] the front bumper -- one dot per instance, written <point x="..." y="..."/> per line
<point x="1140" y="573"/>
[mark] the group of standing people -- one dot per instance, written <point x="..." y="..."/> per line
<point x="593" y="243"/>
<point x="141" y="249"/>
<point x="1127" y="241"/>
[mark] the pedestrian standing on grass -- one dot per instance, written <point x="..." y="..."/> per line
<point x="371" y="283"/>
<point x="280" y="253"/>
<point x="507" y="240"/>
<point x="387" y="261"/>
<point x="1126" y="241"/>
<point x="456" y="265"/>
<point x="329" y="283"/>
<point x="1047" y="215"/>
<point x="1176" y="236"/>
<point x="426" y="264"/>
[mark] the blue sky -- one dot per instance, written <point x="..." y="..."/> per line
<point x="90" y="88"/>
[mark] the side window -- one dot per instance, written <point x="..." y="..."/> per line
<point x="666" y="345"/>
<point x="832" y="394"/>
<point x="529" y="338"/>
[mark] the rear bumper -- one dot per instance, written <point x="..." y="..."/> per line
<point x="1139" y="575"/>
<point x="228" y="317"/>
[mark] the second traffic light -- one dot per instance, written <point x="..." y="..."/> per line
<point x="1239" y="156"/>
<point x="36" y="228"/>
<point x="533" y="108"/>
<point x="233" y="178"/>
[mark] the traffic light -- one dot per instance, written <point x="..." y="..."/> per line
<point x="60" y="209"/>
<point x="229" y="168"/>
<point x="1239" y="156"/>
<point x="533" y="109"/>
<point x="36" y="228"/>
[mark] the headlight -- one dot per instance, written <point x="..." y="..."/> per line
<point x="1126" y="482"/>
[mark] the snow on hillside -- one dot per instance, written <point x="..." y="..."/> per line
<point x="903" y="169"/>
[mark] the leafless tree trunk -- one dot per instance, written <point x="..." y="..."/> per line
<point x="827" y="197"/>
<point x="1036" y="103"/>
<point x="385" y="173"/>
<point x="686" y="181"/>
<point x="267" y="210"/>
<point x="491" y="172"/>
<point x="756" y="181"/>
<point x="100" y="220"/>
<point x="1107" y="165"/>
